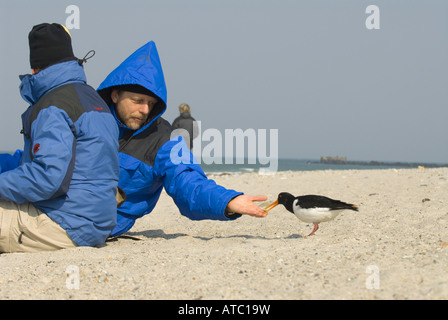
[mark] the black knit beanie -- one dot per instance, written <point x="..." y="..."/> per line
<point x="49" y="44"/>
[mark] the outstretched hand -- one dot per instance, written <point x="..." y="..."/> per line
<point x="244" y="204"/>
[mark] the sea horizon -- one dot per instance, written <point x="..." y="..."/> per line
<point x="290" y="164"/>
<point x="236" y="166"/>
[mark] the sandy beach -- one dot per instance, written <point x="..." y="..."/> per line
<point x="395" y="247"/>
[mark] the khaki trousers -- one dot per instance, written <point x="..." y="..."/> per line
<point x="24" y="228"/>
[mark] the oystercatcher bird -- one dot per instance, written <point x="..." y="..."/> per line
<point x="312" y="208"/>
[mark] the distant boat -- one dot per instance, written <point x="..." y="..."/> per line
<point x="333" y="160"/>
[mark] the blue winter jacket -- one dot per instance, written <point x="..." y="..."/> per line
<point x="149" y="159"/>
<point x="69" y="167"/>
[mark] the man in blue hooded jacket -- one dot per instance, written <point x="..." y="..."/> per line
<point x="136" y="94"/>
<point x="60" y="191"/>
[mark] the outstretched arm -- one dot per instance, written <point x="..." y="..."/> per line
<point x="196" y="196"/>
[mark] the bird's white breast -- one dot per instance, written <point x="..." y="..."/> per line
<point x="314" y="215"/>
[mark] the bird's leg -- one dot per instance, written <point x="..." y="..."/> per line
<point x="316" y="226"/>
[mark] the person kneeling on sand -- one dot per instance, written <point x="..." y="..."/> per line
<point x="59" y="192"/>
<point x="136" y="94"/>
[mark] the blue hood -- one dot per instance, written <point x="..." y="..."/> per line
<point x="143" y="67"/>
<point x="33" y="87"/>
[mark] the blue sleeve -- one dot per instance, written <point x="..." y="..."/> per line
<point x="196" y="196"/>
<point x="47" y="174"/>
<point x="9" y="162"/>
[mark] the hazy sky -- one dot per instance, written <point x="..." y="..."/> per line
<point x="310" y="68"/>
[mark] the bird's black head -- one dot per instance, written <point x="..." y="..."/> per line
<point x="286" y="199"/>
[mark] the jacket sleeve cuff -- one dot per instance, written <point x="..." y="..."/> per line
<point x="232" y="215"/>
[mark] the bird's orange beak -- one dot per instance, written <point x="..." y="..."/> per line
<point x="271" y="206"/>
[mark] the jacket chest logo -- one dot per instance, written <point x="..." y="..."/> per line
<point x="36" y="148"/>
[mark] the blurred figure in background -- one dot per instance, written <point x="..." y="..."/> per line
<point x="187" y="122"/>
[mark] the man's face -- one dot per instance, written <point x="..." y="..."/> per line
<point x="132" y="108"/>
